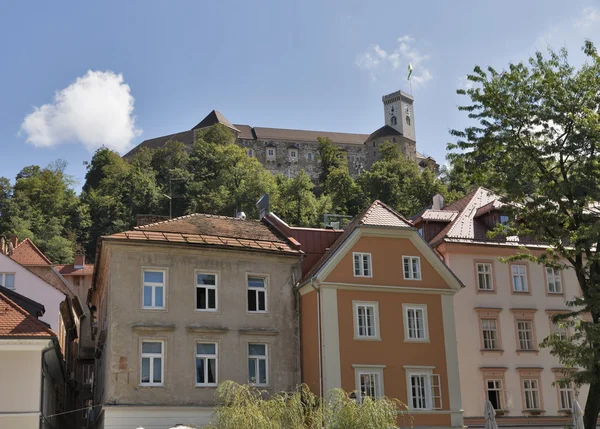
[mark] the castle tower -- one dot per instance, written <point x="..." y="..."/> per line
<point x="398" y="111"/>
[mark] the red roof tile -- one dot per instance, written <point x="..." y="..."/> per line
<point x="27" y="253"/>
<point x="16" y="322"/>
<point x="69" y="270"/>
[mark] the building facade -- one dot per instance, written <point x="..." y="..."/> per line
<point x="183" y="304"/>
<point x="377" y="317"/>
<point x="502" y="314"/>
<point x="288" y="151"/>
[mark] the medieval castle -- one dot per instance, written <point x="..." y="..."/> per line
<point x="290" y="151"/>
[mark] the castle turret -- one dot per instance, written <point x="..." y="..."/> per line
<point x="398" y="111"/>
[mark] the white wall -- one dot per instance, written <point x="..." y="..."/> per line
<point x="33" y="287"/>
<point x="471" y="358"/>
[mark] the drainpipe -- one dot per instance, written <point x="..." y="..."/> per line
<point x="42" y="417"/>
<point x="318" y="291"/>
<point x="295" y="284"/>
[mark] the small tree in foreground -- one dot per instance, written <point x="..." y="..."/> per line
<point x="242" y="406"/>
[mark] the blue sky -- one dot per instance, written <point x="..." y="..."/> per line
<point x="160" y="67"/>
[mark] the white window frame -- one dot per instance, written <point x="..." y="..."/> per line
<point x="411" y="269"/>
<point x="257" y="290"/>
<point x="361" y="267"/>
<point x="273" y="155"/>
<point x="527" y="339"/>
<point x="406" y="308"/>
<point x="521" y="275"/>
<point x="488" y="276"/>
<point x="531" y="392"/>
<point x="375" y="370"/>
<point x="494" y="342"/>
<point x="500" y="390"/>
<point x="206" y="288"/>
<point x="566" y="392"/>
<point x="207" y="357"/>
<point x="153" y="356"/>
<point x="87" y="374"/>
<point x="3" y="280"/>
<point x="374" y="305"/>
<point x="433" y="398"/>
<point x="258" y="358"/>
<point x="293" y="155"/>
<point x="554" y="278"/>
<point x="153" y="286"/>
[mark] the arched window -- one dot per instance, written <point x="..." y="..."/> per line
<point x="394" y="120"/>
<point x="408" y="120"/>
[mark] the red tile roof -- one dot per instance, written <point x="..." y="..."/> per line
<point x="16" y="322"/>
<point x="211" y="230"/>
<point x="27" y="253"/>
<point x="69" y="270"/>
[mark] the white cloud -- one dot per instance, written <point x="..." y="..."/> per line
<point x="464" y="83"/>
<point x="571" y="32"/>
<point x="96" y="110"/>
<point x="379" y="62"/>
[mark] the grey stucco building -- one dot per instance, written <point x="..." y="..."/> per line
<point x="288" y="151"/>
<point x="182" y="305"/>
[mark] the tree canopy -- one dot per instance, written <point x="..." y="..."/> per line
<point x="534" y="139"/>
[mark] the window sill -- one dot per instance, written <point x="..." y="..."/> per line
<point x="198" y="310"/>
<point x="555" y="294"/>
<point x="154" y="309"/>
<point x="151" y="385"/>
<point x="534" y="412"/>
<point x="486" y="290"/>
<point x="528" y="352"/>
<point x="492" y="351"/>
<point x="200" y="386"/>
<point x="521" y="292"/>
<point x="264" y="313"/>
<point x="414" y="340"/>
<point x="367" y="338"/>
<point x="414" y="280"/>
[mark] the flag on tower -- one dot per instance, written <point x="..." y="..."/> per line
<point x="409" y="71"/>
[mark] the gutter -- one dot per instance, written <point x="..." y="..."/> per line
<point x="318" y="291"/>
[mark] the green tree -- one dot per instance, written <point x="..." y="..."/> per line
<point x="330" y="157"/>
<point x="534" y="137"/>
<point x="297" y="203"/>
<point x="5" y="201"/>
<point x="244" y="406"/>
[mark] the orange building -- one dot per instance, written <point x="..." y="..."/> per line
<point x="377" y="318"/>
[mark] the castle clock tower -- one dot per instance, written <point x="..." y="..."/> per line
<point x="398" y="111"/>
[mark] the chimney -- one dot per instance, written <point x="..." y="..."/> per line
<point x="3" y="247"/>
<point x="438" y="202"/>
<point x="263" y="206"/>
<point x="79" y="262"/>
<point x="14" y="240"/>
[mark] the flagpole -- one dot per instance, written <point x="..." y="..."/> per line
<point x="410" y="69"/>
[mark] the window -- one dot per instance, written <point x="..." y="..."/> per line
<point x="366" y="320"/>
<point x="519" y="278"/>
<point x="87" y="375"/>
<point x="553" y="280"/>
<point x="408" y="120"/>
<point x="489" y="330"/>
<point x="415" y="322"/>
<point x="206" y="292"/>
<point x="525" y="333"/>
<point x="257" y="364"/>
<point x="424" y="392"/>
<point x="309" y="155"/>
<point x="503" y="220"/>
<point x="271" y="153"/>
<point x="206" y="364"/>
<point x="362" y="265"/>
<point x="250" y="152"/>
<point x="560" y="329"/>
<point x="484" y="276"/>
<point x="7" y="280"/>
<point x="494" y="393"/>
<point x="293" y="154"/>
<point x="369" y="382"/>
<point x="154" y="289"/>
<point x="531" y="394"/>
<point x="565" y="397"/>
<point x="257" y="294"/>
<point x="152" y="363"/>
<point x="412" y="267"/>
<point x="394" y="120"/>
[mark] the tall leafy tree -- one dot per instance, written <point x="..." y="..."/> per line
<point x="297" y="203"/>
<point x="535" y="137"/>
<point x="330" y="157"/>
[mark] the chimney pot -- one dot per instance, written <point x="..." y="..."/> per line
<point x="14" y="240"/>
<point x="438" y="202"/>
<point x="79" y="261"/>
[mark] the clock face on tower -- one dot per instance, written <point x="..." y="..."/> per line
<point x="407" y="110"/>
<point x="392" y="110"/>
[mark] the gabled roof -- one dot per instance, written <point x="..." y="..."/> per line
<point x="32" y="307"/>
<point x="283" y="134"/>
<point x="185" y="137"/>
<point x="212" y="230"/>
<point x="27" y="253"/>
<point x="15" y="322"/>
<point x="385" y="131"/>
<point x="377" y="214"/>
<point x="213" y="118"/>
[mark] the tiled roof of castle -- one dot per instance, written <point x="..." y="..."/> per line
<point x="211" y="230"/>
<point x="27" y="253"/>
<point x="213" y="118"/>
<point x="385" y="131"/>
<point x="17" y="323"/>
<point x="70" y="270"/>
<point x="377" y="214"/>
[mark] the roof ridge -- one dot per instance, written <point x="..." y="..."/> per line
<point x="20" y="310"/>
<point x="137" y="228"/>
